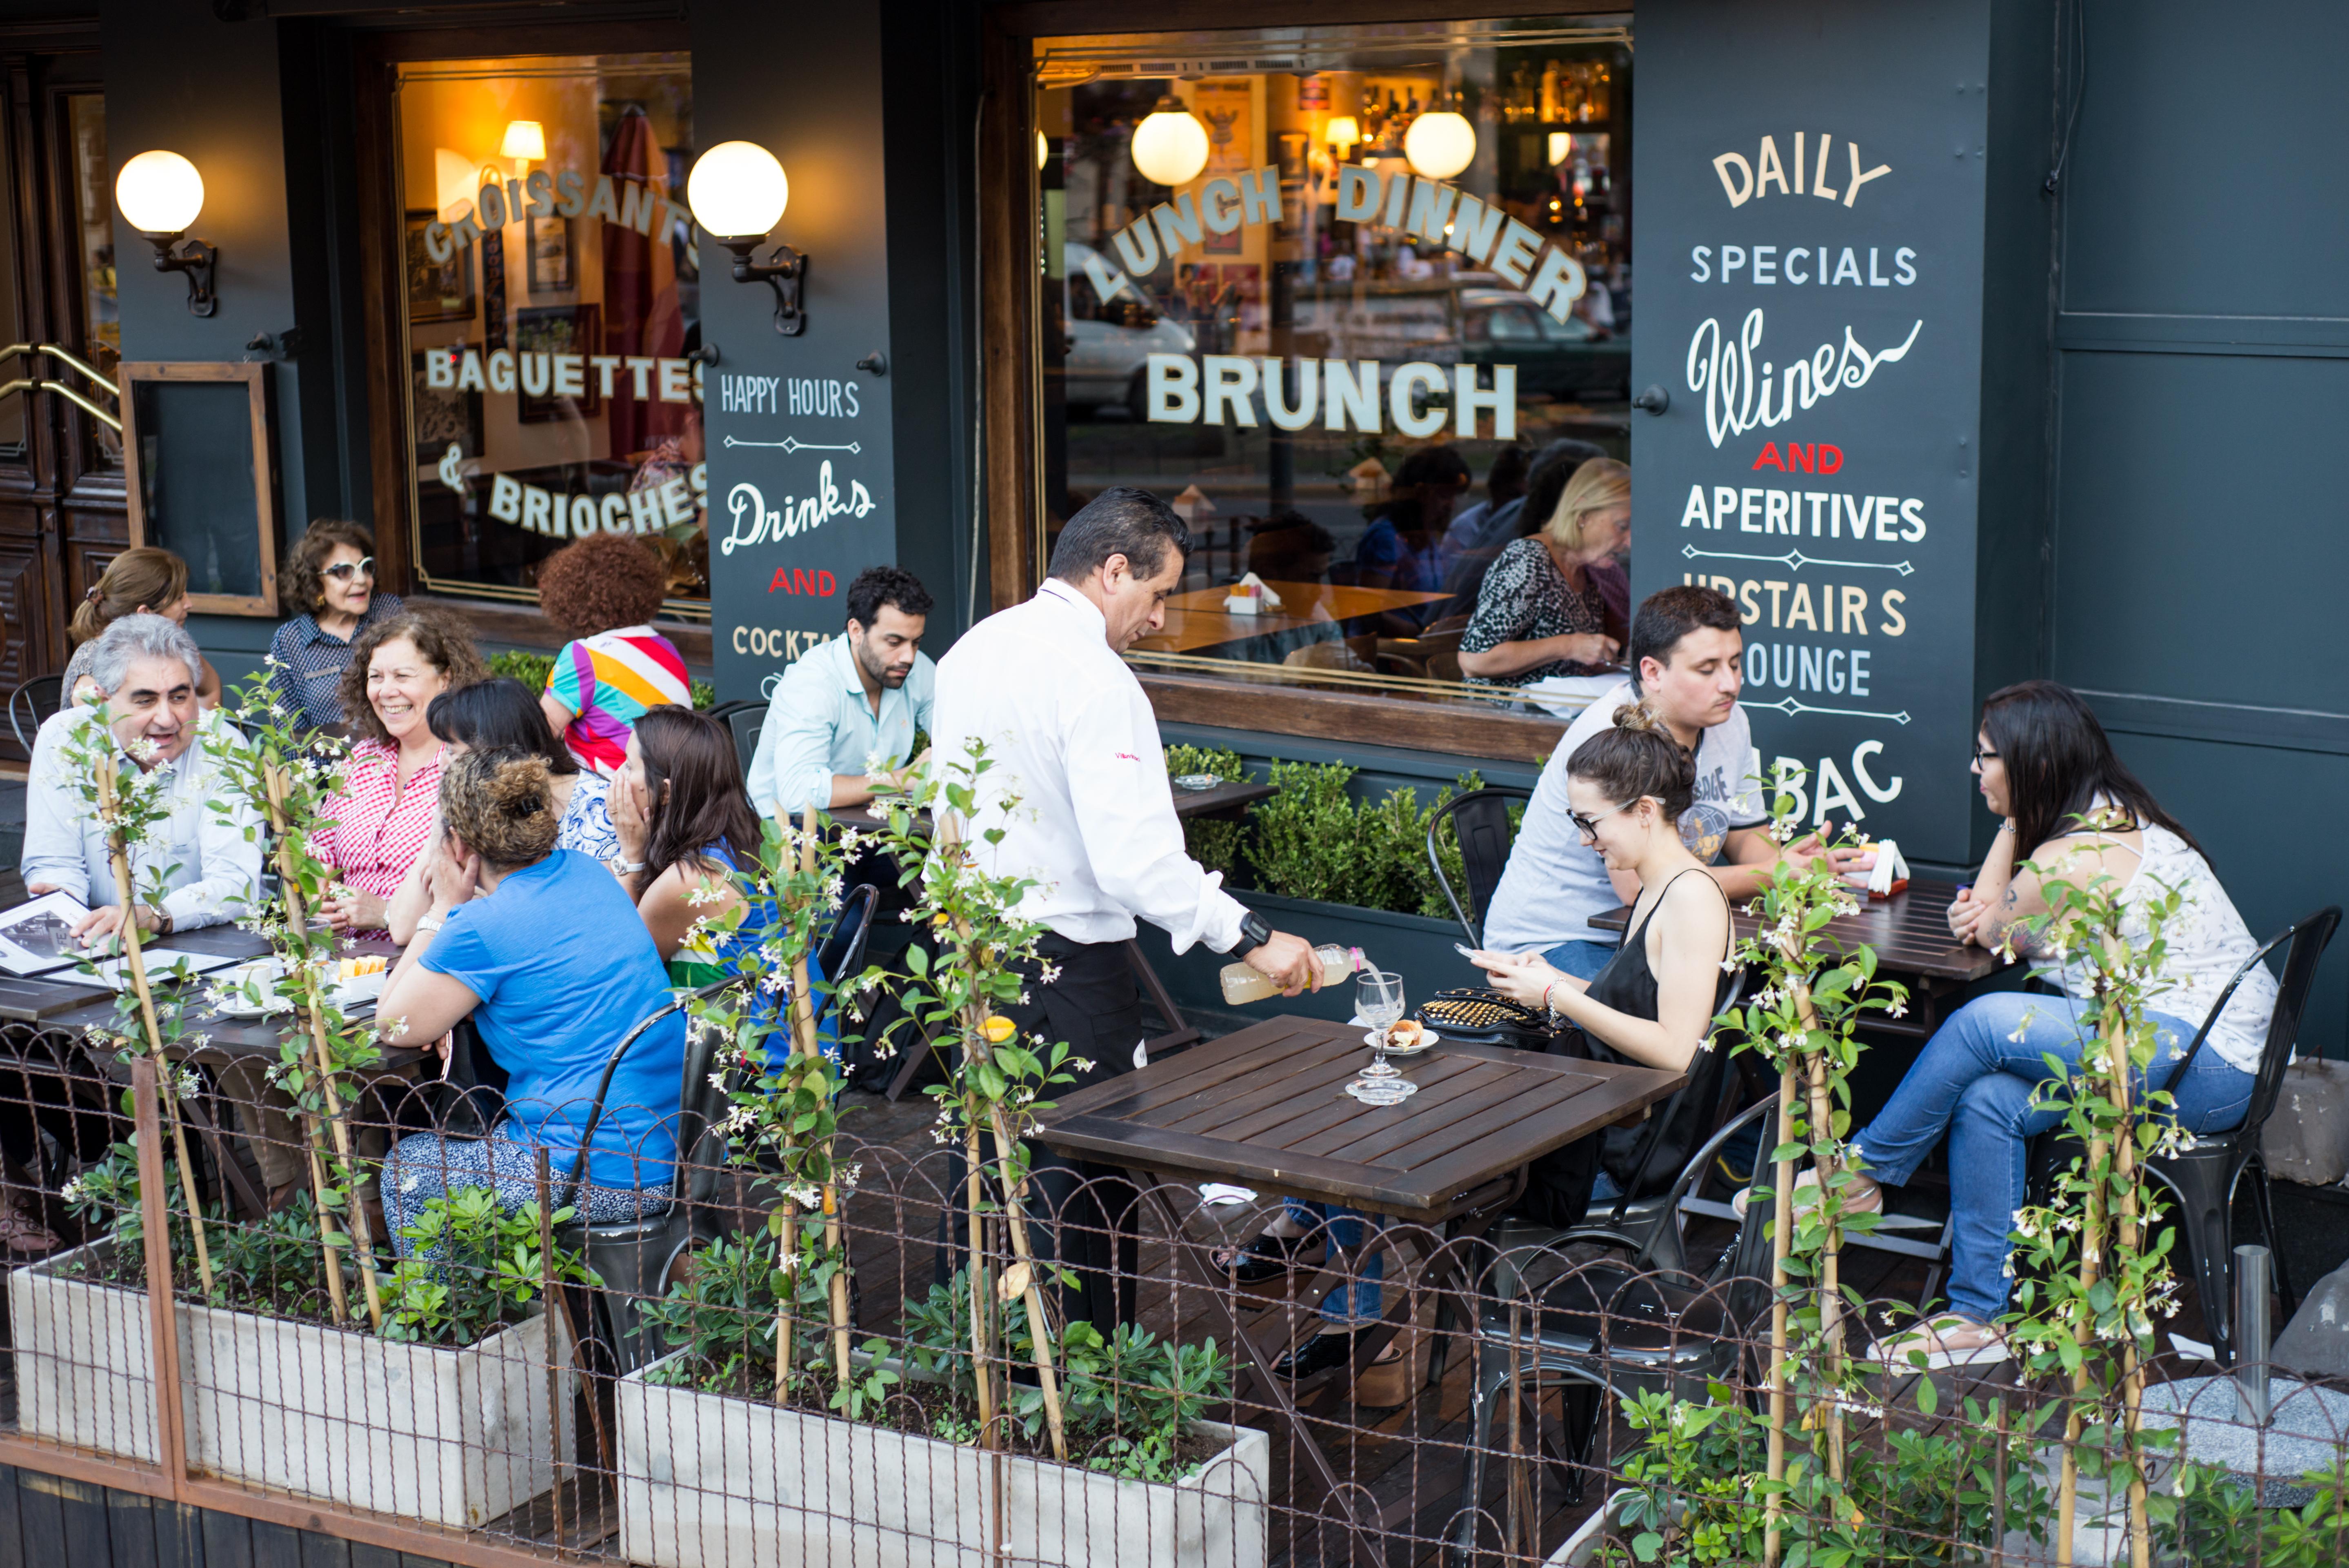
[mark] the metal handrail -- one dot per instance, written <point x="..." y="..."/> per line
<point x="35" y="383"/>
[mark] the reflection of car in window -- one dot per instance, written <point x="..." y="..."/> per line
<point x="1554" y="358"/>
<point x="1109" y="345"/>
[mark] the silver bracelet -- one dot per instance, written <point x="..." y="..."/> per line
<point x="630" y="868"/>
<point x="1551" y="1006"/>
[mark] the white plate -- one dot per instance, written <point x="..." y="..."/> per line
<point x="274" y="1006"/>
<point x="1426" y="1038"/>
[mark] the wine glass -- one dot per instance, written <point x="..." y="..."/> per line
<point x="1378" y="1001"/>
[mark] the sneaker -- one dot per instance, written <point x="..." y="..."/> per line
<point x="1862" y="1196"/>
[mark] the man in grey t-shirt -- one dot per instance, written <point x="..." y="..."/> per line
<point x="1689" y="653"/>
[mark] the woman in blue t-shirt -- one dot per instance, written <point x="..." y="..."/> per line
<point x="541" y="949"/>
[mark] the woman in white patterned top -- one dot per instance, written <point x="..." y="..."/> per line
<point x="2072" y="813"/>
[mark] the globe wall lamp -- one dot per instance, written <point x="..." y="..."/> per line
<point x="737" y="193"/>
<point x="161" y="193"/>
<point x="1169" y="145"/>
<point x="1440" y="143"/>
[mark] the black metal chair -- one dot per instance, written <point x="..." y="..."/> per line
<point x="743" y="720"/>
<point x="1480" y="820"/>
<point x="2204" y="1177"/>
<point x="1615" y="1326"/>
<point x="31" y="703"/>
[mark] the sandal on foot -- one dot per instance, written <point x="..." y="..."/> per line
<point x="21" y="1233"/>
<point x="1862" y="1196"/>
<point x="1946" y="1342"/>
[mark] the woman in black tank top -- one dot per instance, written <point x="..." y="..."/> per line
<point x="1654" y="1002"/>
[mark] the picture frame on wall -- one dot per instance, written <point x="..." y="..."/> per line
<point x="438" y="291"/>
<point x="559" y="329"/>
<point x="553" y="267"/>
<point x="444" y="414"/>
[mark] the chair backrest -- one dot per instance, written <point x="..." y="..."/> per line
<point x="842" y="953"/>
<point x="693" y="1091"/>
<point x="1480" y="820"/>
<point x="1747" y="1264"/>
<point x="744" y="720"/>
<point x="1685" y="1120"/>
<point x="33" y="702"/>
<point x="2309" y="935"/>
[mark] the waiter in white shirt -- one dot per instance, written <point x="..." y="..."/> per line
<point x="1072" y="736"/>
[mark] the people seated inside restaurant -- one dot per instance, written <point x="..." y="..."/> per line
<point x="1404" y="547"/>
<point x="541" y="949"/>
<point x="380" y="820"/>
<point x="1687" y="651"/>
<point x="852" y="705"/>
<point x="208" y="860"/>
<point x="1504" y="481"/>
<point x="2070" y="812"/>
<point x="1540" y="611"/>
<point x="603" y="592"/>
<point x="140" y="582"/>
<point x="1289" y="547"/>
<point x="495" y="713"/>
<point x="331" y="576"/>
<point x="1474" y="542"/>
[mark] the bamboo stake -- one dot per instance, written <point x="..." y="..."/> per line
<point x="2092" y="1226"/>
<point x="1822" y="1133"/>
<point x="2116" y="1059"/>
<point x="119" y="851"/>
<point x="1015" y="1195"/>
<point x="973" y="1198"/>
<point x="812" y="1055"/>
<point x="1781" y="1238"/>
<point x="298" y="914"/>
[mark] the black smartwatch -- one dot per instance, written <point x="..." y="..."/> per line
<point x="1254" y="933"/>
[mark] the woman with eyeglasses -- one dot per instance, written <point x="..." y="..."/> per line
<point x="331" y="577"/>
<point x="2070" y="812"/>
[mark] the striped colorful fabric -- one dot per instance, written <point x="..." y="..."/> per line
<point x="607" y="681"/>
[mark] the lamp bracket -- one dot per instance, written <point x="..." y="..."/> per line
<point x="784" y="270"/>
<point x="174" y="254"/>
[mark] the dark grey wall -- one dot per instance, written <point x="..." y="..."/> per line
<point x="2198" y="552"/>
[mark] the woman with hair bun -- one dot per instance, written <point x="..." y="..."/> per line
<point x="1654" y="1002"/>
<point x="541" y="947"/>
<point x="140" y="582"/>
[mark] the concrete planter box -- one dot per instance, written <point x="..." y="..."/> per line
<point x="456" y="1436"/>
<point x="711" y="1481"/>
<point x="1418" y="948"/>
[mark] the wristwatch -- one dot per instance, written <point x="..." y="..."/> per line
<point x="1254" y="933"/>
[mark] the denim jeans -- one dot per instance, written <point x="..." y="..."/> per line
<point x="1974" y="1081"/>
<point x="1583" y="960"/>
<point x="1348" y="1305"/>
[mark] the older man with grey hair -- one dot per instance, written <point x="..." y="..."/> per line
<point x="207" y="860"/>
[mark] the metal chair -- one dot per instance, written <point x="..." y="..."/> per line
<point x="2204" y="1177"/>
<point x="743" y="720"/>
<point x="1480" y="820"/>
<point x="1611" y="1326"/>
<point x="31" y="703"/>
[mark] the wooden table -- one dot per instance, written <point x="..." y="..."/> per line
<point x="1230" y="797"/>
<point x="1910" y="934"/>
<point x="59" y="1007"/>
<point x="1266" y="1107"/>
<point x="1197" y="619"/>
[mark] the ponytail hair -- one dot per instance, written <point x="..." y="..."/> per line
<point x="1637" y="756"/>
<point x="144" y="578"/>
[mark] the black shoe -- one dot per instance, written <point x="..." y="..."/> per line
<point x="1330" y="1348"/>
<point x="1267" y="1257"/>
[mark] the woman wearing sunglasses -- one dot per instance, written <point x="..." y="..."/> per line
<point x="331" y="577"/>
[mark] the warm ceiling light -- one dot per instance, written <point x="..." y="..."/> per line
<point x="1342" y="131"/>
<point x="160" y="192"/>
<point x="1561" y="147"/>
<point x="1440" y="144"/>
<point x="738" y="193"/>
<point x="524" y="139"/>
<point x="1043" y="151"/>
<point x="1170" y="146"/>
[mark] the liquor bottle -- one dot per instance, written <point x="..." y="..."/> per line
<point x="1242" y="984"/>
<point x="1550" y="110"/>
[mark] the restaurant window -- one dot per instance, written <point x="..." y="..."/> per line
<point x="93" y="237"/>
<point x="1327" y="305"/>
<point x="551" y="300"/>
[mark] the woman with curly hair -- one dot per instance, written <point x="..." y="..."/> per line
<point x="331" y="579"/>
<point x="539" y="946"/>
<point x="603" y="592"/>
<point x="140" y="582"/>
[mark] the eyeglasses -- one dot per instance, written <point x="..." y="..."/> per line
<point x="1980" y="756"/>
<point x="343" y="570"/>
<point x="1588" y="826"/>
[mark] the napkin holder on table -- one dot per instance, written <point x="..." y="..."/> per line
<point x="1887" y="874"/>
<point x="1250" y="596"/>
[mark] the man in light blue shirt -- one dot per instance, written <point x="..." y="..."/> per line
<point x="852" y="705"/>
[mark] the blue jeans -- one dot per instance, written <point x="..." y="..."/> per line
<point x="1353" y="1305"/>
<point x="1583" y="960"/>
<point x="1974" y="1081"/>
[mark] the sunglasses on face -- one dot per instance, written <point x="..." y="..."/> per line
<point x="343" y="570"/>
<point x="1588" y="826"/>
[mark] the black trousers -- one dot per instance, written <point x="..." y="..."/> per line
<point x="1082" y="1215"/>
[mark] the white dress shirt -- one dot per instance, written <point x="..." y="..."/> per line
<point x="1072" y="736"/>
<point x="214" y="856"/>
<point x="820" y="723"/>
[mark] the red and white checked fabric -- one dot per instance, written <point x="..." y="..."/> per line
<point x="378" y="829"/>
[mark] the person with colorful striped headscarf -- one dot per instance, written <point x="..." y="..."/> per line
<point x="603" y="592"/>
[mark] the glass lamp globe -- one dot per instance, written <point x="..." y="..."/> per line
<point x="737" y="190"/>
<point x="1170" y="146"/>
<point x="160" y="192"/>
<point x="1440" y="144"/>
